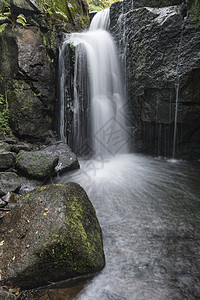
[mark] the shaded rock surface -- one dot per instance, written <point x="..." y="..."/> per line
<point x="67" y="159"/>
<point x="159" y="45"/>
<point x="9" y="182"/>
<point x="28" y="61"/>
<point x="36" y="164"/>
<point x="53" y="235"/>
<point x="7" y="159"/>
<point x="4" y="295"/>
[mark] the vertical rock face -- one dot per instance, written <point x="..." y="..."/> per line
<point x="160" y="44"/>
<point x="29" y="42"/>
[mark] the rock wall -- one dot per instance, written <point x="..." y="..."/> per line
<point x="159" y="42"/>
<point x="30" y="34"/>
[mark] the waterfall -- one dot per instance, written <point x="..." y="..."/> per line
<point x="177" y="88"/>
<point x="98" y="96"/>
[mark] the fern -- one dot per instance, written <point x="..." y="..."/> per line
<point x="21" y="20"/>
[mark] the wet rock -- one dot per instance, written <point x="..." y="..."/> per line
<point x="52" y="236"/>
<point x="160" y="47"/>
<point x="36" y="164"/>
<point x="4" y="295"/>
<point x="4" y="146"/>
<point x="11" y="197"/>
<point x="24" y="6"/>
<point x="9" y="182"/>
<point x="7" y="160"/>
<point x="67" y="159"/>
<point x="22" y="146"/>
<point x="2" y="203"/>
<point x="27" y="185"/>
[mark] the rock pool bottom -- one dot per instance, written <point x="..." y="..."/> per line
<point x="149" y="211"/>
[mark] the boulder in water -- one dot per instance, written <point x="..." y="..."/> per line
<point x="67" y="159"/>
<point x="52" y="235"/>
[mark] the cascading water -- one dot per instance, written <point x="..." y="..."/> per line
<point x="177" y="87"/>
<point x="148" y="208"/>
<point x="96" y="59"/>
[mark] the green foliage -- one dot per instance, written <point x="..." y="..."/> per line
<point x="100" y="4"/>
<point x="8" y="18"/>
<point x="4" y="5"/>
<point x="55" y="9"/>
<point x="21" y="20"/>
<point x="4" y="116"/>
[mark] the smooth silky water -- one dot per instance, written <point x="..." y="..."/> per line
<point x="149" y="212"/>
<point x="148" y="208"/>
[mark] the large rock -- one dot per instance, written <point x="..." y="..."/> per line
<point x="9" y="182"/>
<point x="36" y="164"/>
<point x="161" y="51"/>
<point x="7" y="159"/>
<point x="53" y="235"/>
<point x="28" y="61"/>
<point x="24" y="6"/>
<point x="67" y="159"/>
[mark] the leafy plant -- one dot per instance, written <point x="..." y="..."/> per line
<point x="100" y="4"/>
<point x="8" y="18"/>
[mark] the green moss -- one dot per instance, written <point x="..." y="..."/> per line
<point x="194" y="11"/>
<point x="4" y="116"/>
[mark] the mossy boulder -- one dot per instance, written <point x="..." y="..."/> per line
<point x="9" y="182"/>
<point x="53" y="235"/>
<point x="7" y="159"/>
<point x="67" y="159"/>
<point x="36" y="164"/>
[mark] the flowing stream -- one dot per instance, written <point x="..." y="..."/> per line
<point x="148" y="208"/>
<point x="149" y="212"/>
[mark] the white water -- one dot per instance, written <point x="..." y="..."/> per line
<point x="148" y="208"/>
<point x="107" y="133"/>
<point x="177" y="88"/>
<point x="149" y="212"/>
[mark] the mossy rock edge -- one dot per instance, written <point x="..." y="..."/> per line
<point x="53" y="235"/>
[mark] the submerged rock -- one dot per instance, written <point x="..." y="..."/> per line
<point x="36" y="164"/>
<point x="53" y="235"/>
<point x="9" y="182"/>
<point x="67" y="159"/>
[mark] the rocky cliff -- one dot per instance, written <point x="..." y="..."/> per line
<point x="159" y="42"/>
<point x="30" y="33"/>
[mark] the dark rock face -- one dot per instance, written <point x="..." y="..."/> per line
<point x="7" y="160"/>
<point x="9" y="182"/>
<point x="36" y="164"/>
<point x="161" y="51"/>
<point x="67" y="159"/>
<point x="28" y="61"/>
<point x="55" y="236"/>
